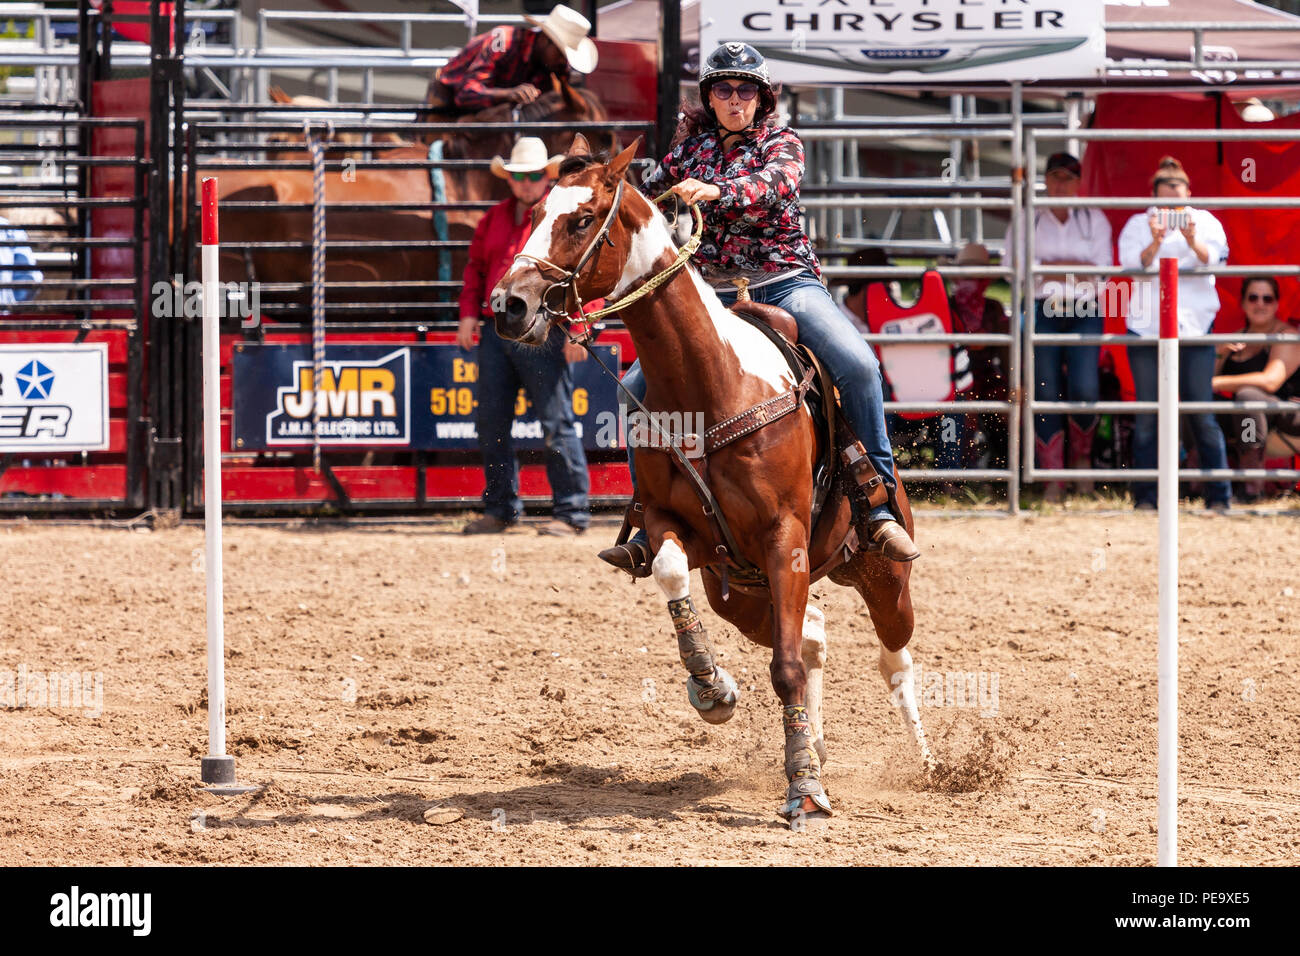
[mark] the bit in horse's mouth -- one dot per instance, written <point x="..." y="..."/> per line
<point x="527" y="337"/>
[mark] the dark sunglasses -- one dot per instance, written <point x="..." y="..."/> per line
<point x="723" y="91"/>
<point x="1256" y="297"/>
<point x="530" y="177"/>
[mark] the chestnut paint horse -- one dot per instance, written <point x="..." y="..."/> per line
<point x="698" y="356"/>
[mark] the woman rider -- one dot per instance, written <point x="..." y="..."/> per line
<point x="746" y="171"/>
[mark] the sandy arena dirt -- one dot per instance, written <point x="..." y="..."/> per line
<point x="375" y="672"/>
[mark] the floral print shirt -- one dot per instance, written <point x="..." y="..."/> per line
<point x="753" y="230"/>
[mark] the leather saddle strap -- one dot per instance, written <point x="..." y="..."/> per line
<point x="727" y="549"/>
<point x="752" y="419"/>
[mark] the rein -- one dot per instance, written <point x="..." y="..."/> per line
<point x="570" y="276"/>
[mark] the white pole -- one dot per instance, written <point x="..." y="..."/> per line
<point x="217" y="768"/>
<point x="1167" y="666"/>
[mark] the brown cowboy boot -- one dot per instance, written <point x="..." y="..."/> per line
<point x="632" y="556"/>
<point x="1251" y="456"/>
<point x="893" y="540"/>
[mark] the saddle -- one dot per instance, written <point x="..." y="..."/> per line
<point x="816" y="391"/>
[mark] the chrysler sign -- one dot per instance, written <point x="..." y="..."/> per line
<point x="911" y="41"/>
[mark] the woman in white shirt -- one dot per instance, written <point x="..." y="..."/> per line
<point x="1067" y="302"/>
<point x="1195" y="238"/>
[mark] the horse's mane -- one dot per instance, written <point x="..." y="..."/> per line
<point x="580" y="161"/>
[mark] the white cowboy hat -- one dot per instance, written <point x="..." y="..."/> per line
<point x="527" y="156"/>
<point x="568" y="29"/>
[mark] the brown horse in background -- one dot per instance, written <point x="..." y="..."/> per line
<point x="703" y="361"/>
<point x="293" y="141"/>
<point x="564" y="104"/>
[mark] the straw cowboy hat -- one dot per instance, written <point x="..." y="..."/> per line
<point x="971" y="254"/>
<point x="568" y="29"/>
<point x="527" y="156"/>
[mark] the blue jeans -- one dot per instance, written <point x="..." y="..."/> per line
<point x="1082" y="378"/>
<point x="503" y="368"/>
<point x="1195" y="369"/>
<point x="852" y="364"/>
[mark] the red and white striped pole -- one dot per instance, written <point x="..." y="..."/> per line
<point x="1167" y="654"/>
<point x="217" y="768"/>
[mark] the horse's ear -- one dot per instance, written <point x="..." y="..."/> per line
<point x="572" y="98"/>
<point x="579" y="146"/>
<point x="618" y="166"/>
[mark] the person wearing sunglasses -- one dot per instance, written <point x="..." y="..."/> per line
<point x="505" y="367"/>
<point x="1196" y="239"/>
<point x="1260" y="372"/>
<point x="733" y="158"/>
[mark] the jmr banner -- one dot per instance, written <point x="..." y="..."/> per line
<point x="912" y="41"/>
<point x="53" y="398"/>
<point x="400" y="396"/>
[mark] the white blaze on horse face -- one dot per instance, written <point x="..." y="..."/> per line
<point x="757" y="355"/>
<point x="648" y="245"/>
<point x="561" y="201"/>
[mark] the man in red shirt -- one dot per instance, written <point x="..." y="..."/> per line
<point x="505" y="366"/>
<point x="513" y="64"/>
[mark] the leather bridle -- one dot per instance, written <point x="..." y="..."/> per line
<point x="568" y="283"/>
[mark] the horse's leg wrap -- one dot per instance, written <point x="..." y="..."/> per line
<point x="712" y="690"/>
<point x="802" y="765"/>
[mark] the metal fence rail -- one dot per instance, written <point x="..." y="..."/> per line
<point x="76" y="303"/>
<point x="432" y="299"/>
<point x="1030" y="270"/>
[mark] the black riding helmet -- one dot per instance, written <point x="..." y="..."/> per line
<point x="739" y="61"/>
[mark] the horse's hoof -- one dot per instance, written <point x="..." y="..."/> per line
<point x="805" y="800"/>
<point x="716" y="702"/>
<point x="820" y="746"/>
<point x="806" y="817"/>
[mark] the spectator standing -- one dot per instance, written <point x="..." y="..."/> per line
<point x="1067" y="302"/>
<point x="504" y="366"/>
<point x="1260" y="372"/>
<point x="1196" y="239"/>
<point x="17" y="264"/>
